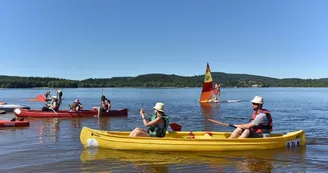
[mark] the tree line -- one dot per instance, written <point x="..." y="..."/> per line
<point x="160" y="80"/>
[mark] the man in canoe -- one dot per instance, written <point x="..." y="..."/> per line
<point x="261" y="122"/>
<point x="59" y="95"/>
<point x="157" y="126"/>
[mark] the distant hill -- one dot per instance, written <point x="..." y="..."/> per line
<point x="160" y="80"/>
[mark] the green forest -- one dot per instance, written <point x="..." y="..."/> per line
<point x="160" y="80"/>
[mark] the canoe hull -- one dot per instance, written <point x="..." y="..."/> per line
<point x="66" y="113"/>
<point x="8" y="123"/>
<point x="184" y="141"/>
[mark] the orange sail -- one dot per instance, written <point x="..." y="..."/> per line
<point x="207" y="94"/>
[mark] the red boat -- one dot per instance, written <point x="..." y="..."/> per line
<point x="8" y="123"/>
<point x="67" y="114"/>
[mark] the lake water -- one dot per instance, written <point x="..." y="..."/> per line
<point x="53" y="145"/>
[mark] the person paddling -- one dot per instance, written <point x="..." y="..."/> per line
<point x="157" y="126"/>
<point x="260" y="123"/>
<point x="53" y="106"/>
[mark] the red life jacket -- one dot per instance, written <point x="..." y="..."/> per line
<point x="258" y="129"/>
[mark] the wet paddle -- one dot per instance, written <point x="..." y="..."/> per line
<point x="221" y="123"/>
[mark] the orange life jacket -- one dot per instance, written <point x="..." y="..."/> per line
<point x="258" y="129"/>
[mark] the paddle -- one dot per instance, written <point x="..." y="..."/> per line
<point x="51" y="108"/>
<point x="221" y="123"/>
<point x="41" y="98"/>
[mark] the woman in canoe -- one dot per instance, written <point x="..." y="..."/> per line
<point x="105" y="105"/>
<point x="157" y="125"/>
<point x="76" y="106"/>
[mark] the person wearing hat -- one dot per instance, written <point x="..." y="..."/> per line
<point x="157" y="126"/>
<point x="76" y="106"/>
<point x="260" y="123"/>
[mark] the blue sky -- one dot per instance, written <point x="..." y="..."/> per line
<point x="79" y="39"/>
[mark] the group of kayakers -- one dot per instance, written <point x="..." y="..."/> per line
<point x="259" y="126"/>
<point x="260" y="123"/>
<point x="53" y="103"/>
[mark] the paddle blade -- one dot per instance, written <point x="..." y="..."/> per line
<point x="175" y="127"/>
<point x="41" y="98"/>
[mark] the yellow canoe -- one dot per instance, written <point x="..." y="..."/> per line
<point x="185" y="141"/>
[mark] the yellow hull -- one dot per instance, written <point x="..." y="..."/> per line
<point x="181" y="141"/>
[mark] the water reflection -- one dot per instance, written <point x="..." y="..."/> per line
<point x="49" y="128"/>
<point x="104" y="122"/>
<point x="247" y="161"/>
<point x="209" y="110"/>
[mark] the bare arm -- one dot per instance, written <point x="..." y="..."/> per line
<point x="246" y="126"/>
<point x="151" y="123"/>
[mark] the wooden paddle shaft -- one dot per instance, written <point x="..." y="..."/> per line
<point x="221" y="123"/>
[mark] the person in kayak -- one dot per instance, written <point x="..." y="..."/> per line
<point x="260" y="124"/>
<point x="48" y="98"/>
<point x="105" y="105"/>
<point x="59" y="95"/>
<point x="157" y="126"/>
<point x="76" y="106"/>
<point x="54" y="105"/>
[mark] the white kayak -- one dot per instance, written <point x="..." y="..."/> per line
<point x="12" y="107"/>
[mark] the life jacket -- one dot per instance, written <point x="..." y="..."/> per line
<point x="259" y="128"/>
<point x="155" y="130"/>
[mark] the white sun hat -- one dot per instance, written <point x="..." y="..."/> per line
<point x="258" y="100"/>
<point x="159" y="107"/>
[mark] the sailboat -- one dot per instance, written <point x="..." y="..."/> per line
<point x="208" y="92"/>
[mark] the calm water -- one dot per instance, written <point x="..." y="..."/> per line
<point x="53" y="145"/>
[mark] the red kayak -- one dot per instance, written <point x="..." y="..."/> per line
<point x="67" y="114"/>
<point x="17" y="123"/>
